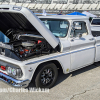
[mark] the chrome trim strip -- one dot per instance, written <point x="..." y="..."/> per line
<point x="97" y="45"/>
<point x="47" y="58"/>
<point x="59" y="56"/>
<point x="82" y="50"/>
<point x="16" y="83"/>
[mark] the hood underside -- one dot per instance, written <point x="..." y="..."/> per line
<point x="20" y="18"/>
<point x="15" y="21"/>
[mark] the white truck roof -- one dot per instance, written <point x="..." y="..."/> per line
<point x="65" y="17"/>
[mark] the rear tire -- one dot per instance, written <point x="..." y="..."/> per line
<point x="46" y="76"/>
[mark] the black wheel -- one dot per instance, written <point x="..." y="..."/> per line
<point x="46" y="76"/>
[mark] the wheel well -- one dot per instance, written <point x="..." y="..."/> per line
<point x="52" y="61"/>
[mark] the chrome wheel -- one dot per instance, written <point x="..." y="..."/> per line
<point x="47" y="76"/>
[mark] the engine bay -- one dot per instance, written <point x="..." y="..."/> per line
<point x="25" y="45"/>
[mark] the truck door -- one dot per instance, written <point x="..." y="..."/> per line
<point x="82" y="44"/>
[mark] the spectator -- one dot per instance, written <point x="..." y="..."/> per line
<point x="60" y="13"/>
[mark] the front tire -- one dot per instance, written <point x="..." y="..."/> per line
<point x="46" y="76"/>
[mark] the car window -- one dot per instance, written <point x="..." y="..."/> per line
<point x="79" y="28"/>
<point x="58" y="27"/>
<point x="96" y="21"/>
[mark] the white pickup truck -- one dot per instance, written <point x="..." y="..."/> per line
<point x="38" y="47"/>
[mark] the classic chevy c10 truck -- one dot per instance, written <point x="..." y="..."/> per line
<point x="40" y="46"/>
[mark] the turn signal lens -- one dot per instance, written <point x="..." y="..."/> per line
<point x="3" y="67"/>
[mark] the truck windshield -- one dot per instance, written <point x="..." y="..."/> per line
<point x="96" y="22"/>
<point x="57" y="26"/>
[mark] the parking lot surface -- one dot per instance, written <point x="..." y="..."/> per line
<point x="83" y="84"/>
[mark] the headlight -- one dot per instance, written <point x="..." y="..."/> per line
<point x="9" y="70"/>
<point x="16" y="72"/>
<point x="19" y="72"/>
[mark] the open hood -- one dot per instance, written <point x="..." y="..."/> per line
<point x="20" y="18"/>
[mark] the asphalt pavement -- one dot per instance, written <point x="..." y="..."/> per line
<point x="83" y="84"/>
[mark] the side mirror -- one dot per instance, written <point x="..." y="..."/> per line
<point x="73" y="28"/>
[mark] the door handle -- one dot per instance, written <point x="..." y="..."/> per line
<point x="91" y="39"/>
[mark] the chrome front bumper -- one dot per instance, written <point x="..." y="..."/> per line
<point x="13" y="82"/>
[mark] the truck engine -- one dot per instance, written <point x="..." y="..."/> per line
<point x="23" y="46"/>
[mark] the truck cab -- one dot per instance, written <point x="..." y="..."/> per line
<point x="78" y="35"/>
